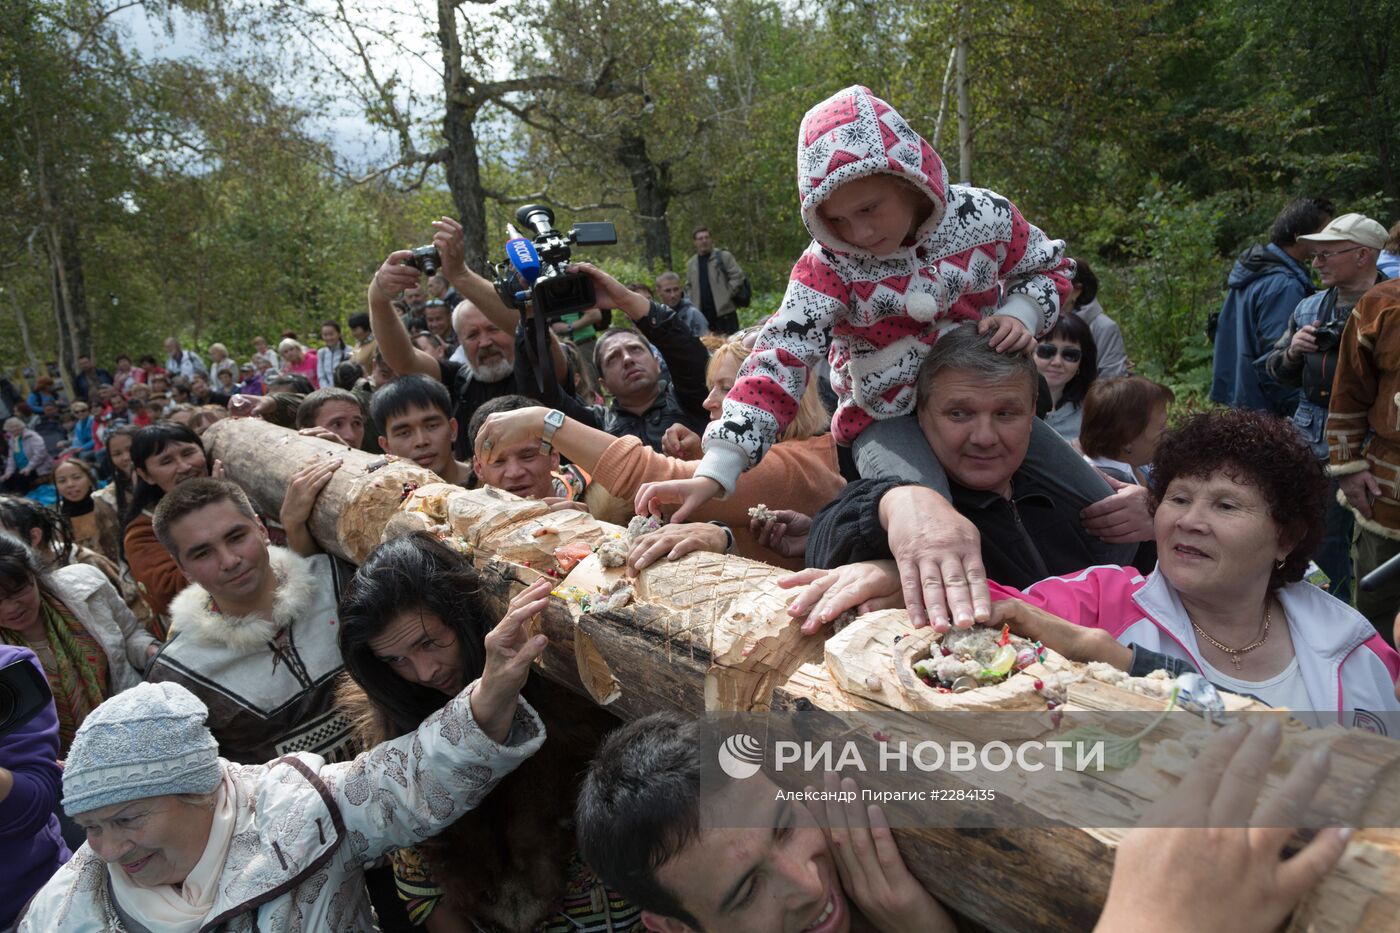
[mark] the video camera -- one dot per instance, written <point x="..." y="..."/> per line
<point x="23" y="694"/>
<point x="541" y="264"/>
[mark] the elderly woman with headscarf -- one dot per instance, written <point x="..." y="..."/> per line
<point x="1239" y="505"/>
<point x="180" y="840"/>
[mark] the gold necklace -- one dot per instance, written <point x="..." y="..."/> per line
<point x="1235" y="653"/>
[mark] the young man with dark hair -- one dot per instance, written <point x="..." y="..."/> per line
<point x="529" y="469"/>
<point x="1265" y="285"/>
<point x="414" y="418"/>
<point x="697" y="851"/>
<point x="333" y="414"/>
<point x="712" y="278"/>
<point x="254" y="635"/>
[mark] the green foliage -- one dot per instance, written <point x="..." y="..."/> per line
<point x="1163" y="297"/>
<point x="1157" y="138"/>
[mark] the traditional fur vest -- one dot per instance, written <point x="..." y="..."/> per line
<point x="269" y="685"/>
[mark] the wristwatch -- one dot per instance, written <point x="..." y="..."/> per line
<point x="553" y="421"/>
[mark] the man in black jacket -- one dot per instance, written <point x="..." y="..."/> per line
<point x="976" y="407"/>
<point x="645" y="403"/>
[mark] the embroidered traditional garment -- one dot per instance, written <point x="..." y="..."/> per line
<point x="76" y="667"/>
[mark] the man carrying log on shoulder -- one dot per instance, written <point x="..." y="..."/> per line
<point x="663" y="826"/>
<point x="254" y="635"/>
<point x="414" y="416"/>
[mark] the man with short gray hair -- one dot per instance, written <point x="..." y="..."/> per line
<point x="670" y="293"/>
<point x="976" y="407"/>
<point x="1344" y="254"/>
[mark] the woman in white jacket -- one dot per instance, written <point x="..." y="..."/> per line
<point x="89" y="643"/>
<point x="180" y="840"/>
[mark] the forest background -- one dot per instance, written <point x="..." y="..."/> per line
<point x="207" y="194"/>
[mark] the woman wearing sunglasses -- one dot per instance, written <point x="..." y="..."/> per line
<point x="1068" y="360"/>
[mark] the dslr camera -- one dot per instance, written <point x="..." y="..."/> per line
<point x="23" y="694"/>
<point x="1328" y="335"/>
<point x="536" y="270"/>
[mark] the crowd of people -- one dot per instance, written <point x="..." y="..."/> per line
<point x="247" y="733"/>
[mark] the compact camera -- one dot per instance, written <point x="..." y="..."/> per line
<point x="425" y="259"/>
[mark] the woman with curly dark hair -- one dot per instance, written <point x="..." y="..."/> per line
<point x="1239" y="509"/>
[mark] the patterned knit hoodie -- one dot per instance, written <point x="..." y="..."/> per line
<point x="876" y="317"/>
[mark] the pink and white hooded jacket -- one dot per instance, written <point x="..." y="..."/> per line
<point x="1348" y="669"/>
<point x="876" y="317"/>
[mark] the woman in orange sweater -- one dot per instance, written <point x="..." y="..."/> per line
<point x="794" y="479"/>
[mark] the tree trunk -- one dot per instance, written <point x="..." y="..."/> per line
<point x="65" y="272"/>
<point x="964" y="103"/>
<point x="458" y="127"/>
<point x="464" y="180"/>
<point x="23" y="321"/>
<point x="651" y="186"/>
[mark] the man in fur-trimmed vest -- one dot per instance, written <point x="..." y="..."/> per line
<point x="1363" y="442"/>
<point x="254" y="635"/>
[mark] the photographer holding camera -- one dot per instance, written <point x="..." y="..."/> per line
<point x="1344" y="255"/>
<point x="30" y="781"/>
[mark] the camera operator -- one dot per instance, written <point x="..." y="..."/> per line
<point x="1344" y="254"/>
<point x="645" y="402"/>
<point x="484" y="325"/>
<point x="30" y="781"/>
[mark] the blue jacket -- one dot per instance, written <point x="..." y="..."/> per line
<point x="1266" y="285"/>
<point x="83" y="439"/>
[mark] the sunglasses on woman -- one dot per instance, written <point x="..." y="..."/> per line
<point x="1047" y="351"/>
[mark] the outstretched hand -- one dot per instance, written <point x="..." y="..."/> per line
<point x="939" y="553"/>
<point x="864" y="586"/>
<point x="873" y="873"/>
<point x="1122" y="518"/>
<point x="451" y="243"/>
<point x="510" y="650"/>
<point x="394" y="276"/>
<point x="785" y="533"/>
<point x="680" y="442"/>
<point x="686" y="494"/>
<point x="612" y="293"/>
<point x="1220" y="867"/>
<point x="299" y="501"/>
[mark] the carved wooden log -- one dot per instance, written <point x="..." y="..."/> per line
<point x="354" y="506"/>
<point x="711" y="632"/>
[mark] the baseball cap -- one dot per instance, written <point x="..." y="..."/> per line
<point x="1350" y="228"/>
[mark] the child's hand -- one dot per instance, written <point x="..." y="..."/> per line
<point x="687" y="494"/>
<point x="1010" y="336"/>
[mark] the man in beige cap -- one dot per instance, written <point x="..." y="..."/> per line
<point x="1344" y="255"/>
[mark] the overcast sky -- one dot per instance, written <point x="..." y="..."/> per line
<point x="344" y="126"/>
